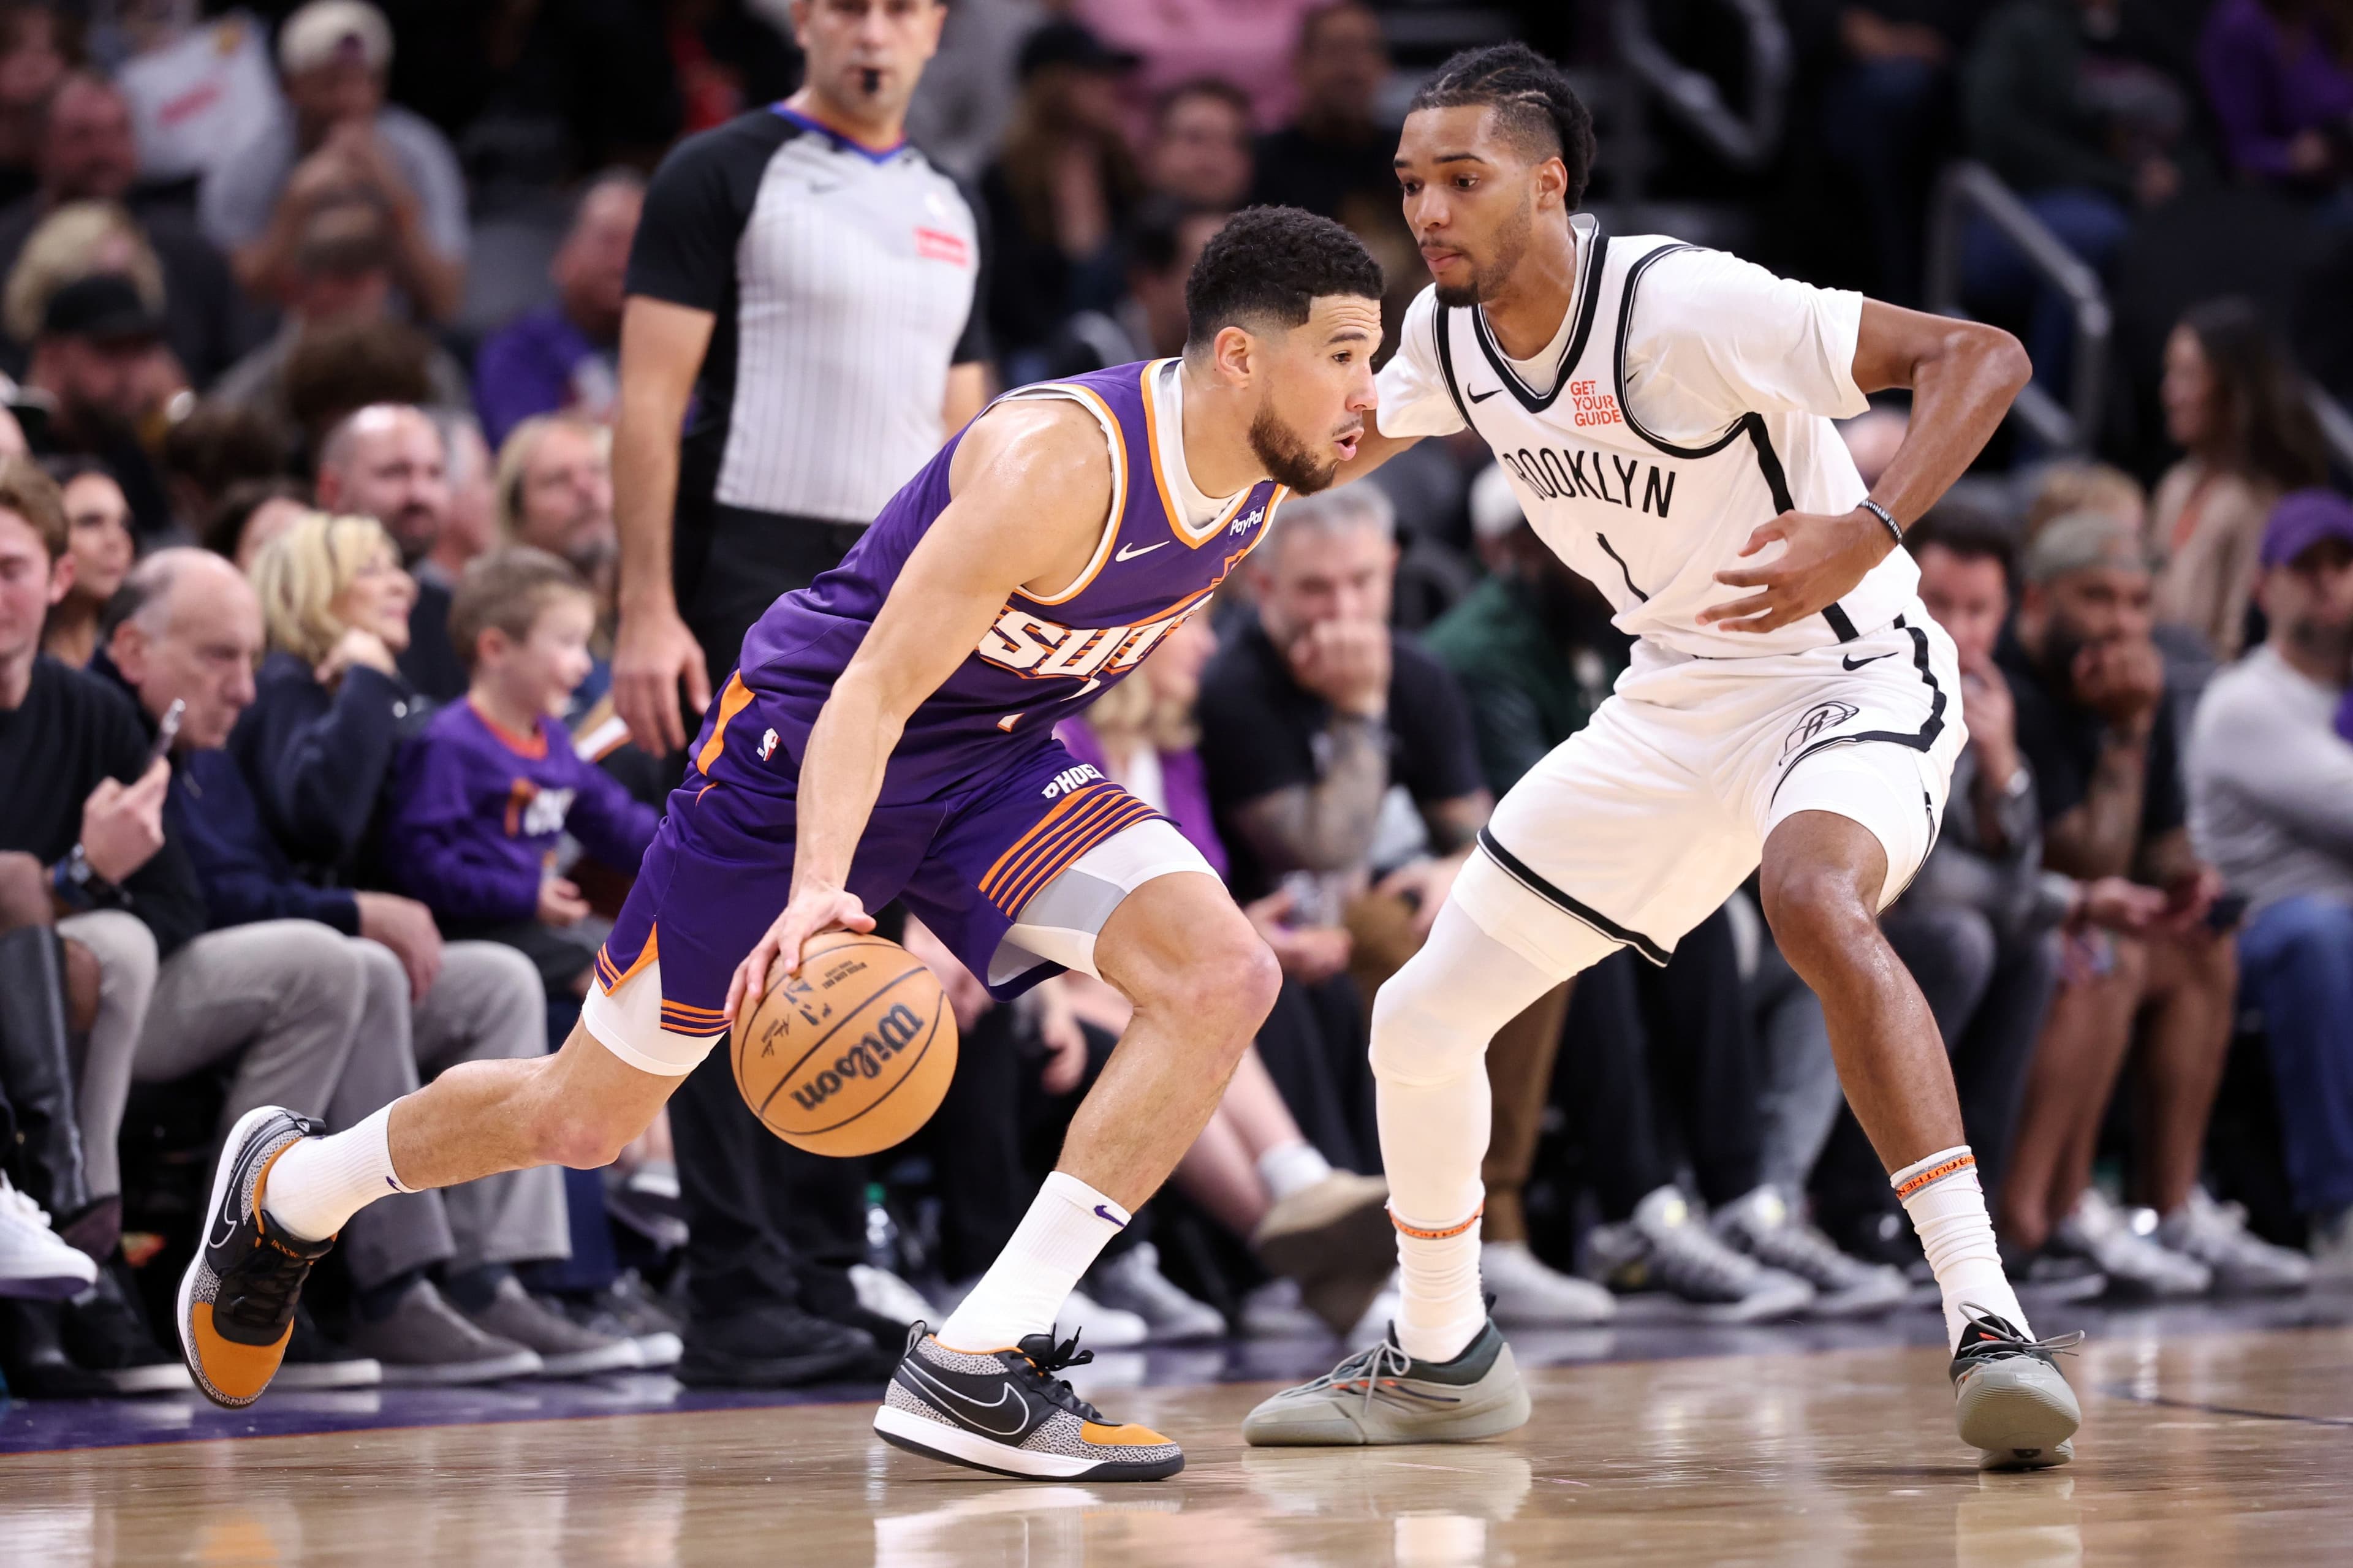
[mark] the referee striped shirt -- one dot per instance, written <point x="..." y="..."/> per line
<point x="845" y="281"/>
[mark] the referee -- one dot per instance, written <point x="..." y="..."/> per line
<point x="809" y="284"/>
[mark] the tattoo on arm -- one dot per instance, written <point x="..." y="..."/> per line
<point x="1328" y="826"/>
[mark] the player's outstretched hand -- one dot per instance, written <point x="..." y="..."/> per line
<point x="817" y="909"/>
<point x="1823" y="559"/>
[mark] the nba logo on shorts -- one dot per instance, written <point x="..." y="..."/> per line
<point x="1822" y="716"/>
<point x="767" y="745"/>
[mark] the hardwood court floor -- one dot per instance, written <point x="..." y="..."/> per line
<point x="2215" y="1449"/>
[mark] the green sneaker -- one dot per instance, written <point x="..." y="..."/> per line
<point x="1383" y="1395"/>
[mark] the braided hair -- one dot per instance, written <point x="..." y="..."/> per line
<point x="1535" y="106"/>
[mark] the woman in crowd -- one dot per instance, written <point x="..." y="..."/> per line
<point x="100" y="548"/>
<point x="2234" y="400"/>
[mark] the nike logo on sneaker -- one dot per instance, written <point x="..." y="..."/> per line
<point x="973" y="1408"/>
<point x="1483" y="396"/>
<point x="1853" y="663"/>
<point x="229" y="1218"/>
<point x="1103" y="1212"/>
<point x="1129" y="551"/>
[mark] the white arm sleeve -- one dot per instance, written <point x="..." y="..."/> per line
<point x="1414" y="399"/>
<point x="1715" y="337"/>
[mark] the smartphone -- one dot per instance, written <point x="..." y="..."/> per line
<point x="2226" y="911"/>
<point x="167" y="729"/>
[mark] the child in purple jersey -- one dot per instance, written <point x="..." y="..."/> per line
<point x="487" y="793"/>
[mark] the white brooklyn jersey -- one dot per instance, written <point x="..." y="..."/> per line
<point x="1690" y="402"/>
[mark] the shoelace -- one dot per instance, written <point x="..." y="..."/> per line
<point x="1688" y="1255"/>
<point x="1365" y="1374"/>
<point x="1047" y="1358"/>
<point x="2004" y="1339"/>
<point x="260" y="1291"/>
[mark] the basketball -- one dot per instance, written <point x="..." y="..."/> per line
<point x="854" y="1054"/>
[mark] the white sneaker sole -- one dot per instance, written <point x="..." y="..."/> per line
<point x="2016" y="1419"/>
<point x="159" y="1377"/>
<point x="952" y="1445"/>
<point x="360" y="1372"/>
<point x="457" y="1374"/>
<point x="622" y="1355"/>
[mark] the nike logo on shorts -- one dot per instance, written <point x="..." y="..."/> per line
<point x="1129" y="551"/>
<point x="1853" y="663"/>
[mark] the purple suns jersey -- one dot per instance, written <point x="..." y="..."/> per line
<point x="1046" y="657"/>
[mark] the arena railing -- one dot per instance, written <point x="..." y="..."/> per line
<point x="1969" y="190"/>
<point x="1745" y="139"/>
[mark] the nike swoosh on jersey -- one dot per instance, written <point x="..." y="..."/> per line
<point x="1853" y="663"/>
<point x="1129" y="551"/>
<point x="1004" y="1395"/>
<point x="1483" y="396"/>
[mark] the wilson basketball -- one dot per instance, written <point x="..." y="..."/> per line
<point x="853" y="1054"/>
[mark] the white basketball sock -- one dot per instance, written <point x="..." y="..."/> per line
<point x="1291" y="1168"/>
<point x="1948" y="1211"/>
<point x="316" y="1185"/>
<point x="1067" y="1224"/>
<point x="1431" y="1023"/>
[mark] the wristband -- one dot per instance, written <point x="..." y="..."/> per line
<point x="1886" y="516"/>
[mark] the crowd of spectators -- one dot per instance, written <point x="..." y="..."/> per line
<point x="310" y="785"/>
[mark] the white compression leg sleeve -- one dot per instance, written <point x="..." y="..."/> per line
<point x="1431" y="1023"/>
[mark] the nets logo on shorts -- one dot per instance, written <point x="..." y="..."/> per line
<point x="1822" y="716"/>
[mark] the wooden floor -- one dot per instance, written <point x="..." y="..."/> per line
<point x="2216" y="1449"/>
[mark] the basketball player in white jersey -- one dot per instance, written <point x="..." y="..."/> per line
<point x="1664" y="414"/>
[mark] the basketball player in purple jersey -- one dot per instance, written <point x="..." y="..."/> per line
<point x="890" y="734"/>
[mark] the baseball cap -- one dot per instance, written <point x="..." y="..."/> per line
<point x="1068" y="43"/>
<point x="104" y="306"/>
<point x="321" y="31"/>
<point x="2079" y="541"/>
<point x="2302" y="520"/>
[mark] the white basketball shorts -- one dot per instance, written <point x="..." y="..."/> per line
<point x="1640" y="826"/>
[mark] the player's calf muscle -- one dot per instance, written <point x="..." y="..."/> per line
<point x="577" y="1108"/>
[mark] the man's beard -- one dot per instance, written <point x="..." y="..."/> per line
<point x="1285" y="457"/>
<point x="1487" y="278"/>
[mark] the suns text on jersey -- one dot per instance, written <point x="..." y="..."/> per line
<point x="1031" y="646"/>
<point x="1559" y="473"/>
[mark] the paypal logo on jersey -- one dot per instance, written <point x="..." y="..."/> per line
<point x="1031" y="646"/>
<point x="1243" y="523"/>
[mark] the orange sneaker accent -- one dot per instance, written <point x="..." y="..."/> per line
<point x="239" y="1372"/>
<point x="1124" y="1437"/>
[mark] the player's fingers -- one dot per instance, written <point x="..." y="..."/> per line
<point x="1763" y="535"/>
<point x="1770" y="621"/>
<point x="698" y="682"/>
<point x="1716" y="614"/>
<point x="1749" y="576"/>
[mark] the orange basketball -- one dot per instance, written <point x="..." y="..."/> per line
<point x="854" y="1054"/>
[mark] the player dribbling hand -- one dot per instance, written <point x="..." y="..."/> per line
<point x="1826" y="559"/>
<point x="810" y="912"/>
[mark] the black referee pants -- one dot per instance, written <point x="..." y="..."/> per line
<point x="765" y="1221"/>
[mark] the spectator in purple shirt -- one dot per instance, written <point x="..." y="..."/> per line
<point x="2280" y="73"/>
<point x="561" y="355"/>
<point x="488" y="792"/>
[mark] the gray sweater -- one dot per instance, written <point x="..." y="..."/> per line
<point x="2271" y="784"/>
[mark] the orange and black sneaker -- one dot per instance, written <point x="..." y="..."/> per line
<point x="1006" y="1412"/>
<point x="237" y="1299"/>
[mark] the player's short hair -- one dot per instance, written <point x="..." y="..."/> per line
<point x="505" y="590"/>
<point x="29" y="492"/>
<point x="1970" y="531"/>
<point x="1535" y="106"/>
<point x="1268" y="266"/>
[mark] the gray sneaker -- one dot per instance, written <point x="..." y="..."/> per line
<point x="2216" y="1235"/>
<point x="1383" y="1396"/>
<point x="2012" y="1405"/>
<point x="565" y="1349"/>
<point x="425" y="1341"/>
<point x="1666" y="1246"/>
<point x="1765" y="1227"/>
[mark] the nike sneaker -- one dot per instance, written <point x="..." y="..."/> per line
<point x="1005" y="1412"/>
<point x="2012" y="1404"/>
<point x="1383" y="1396"/>
<point x="237" y="1299"/>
